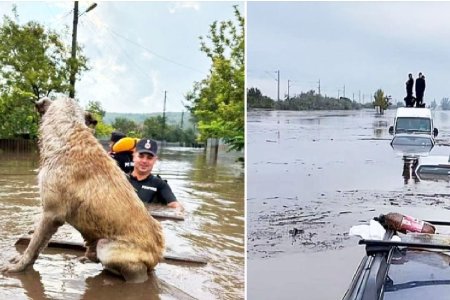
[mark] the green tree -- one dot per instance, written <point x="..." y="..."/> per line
<point x="445" y="104"/>
<point x="189" y="136"/>
<point x="96" y="108"/>
<point x="153" y="128"/>
<point x="34" y="63"/>
<point x="217" y="102"/>
<point x="400" y="104"/>
<point x="125" y="125"/>
<point x="381" y="100"/>
<point x="255" y="99"/>
<point x="433" y="104"/>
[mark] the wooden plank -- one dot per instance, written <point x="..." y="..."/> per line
<point x="162" y="212"/>
<point x="72" y="245"/>
<point x="161" y="215"/>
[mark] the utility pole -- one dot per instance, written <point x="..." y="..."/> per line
<point x="319" y="86"/>
<point x="359" y="96"/>
<point x="288" y="88"/>
<point x="182" y="119"/>
<point x="278" y="85"/>
<point x="344" y="91"/>
<point x="73" y="58"/>
<point x="164" y="117"/>
<point x="73" y="68"/>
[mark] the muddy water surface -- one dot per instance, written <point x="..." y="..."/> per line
<point x="212" y="193"/>
<point x="313" y="175"/>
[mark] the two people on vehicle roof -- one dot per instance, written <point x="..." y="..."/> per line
<point x="410" y="100"/>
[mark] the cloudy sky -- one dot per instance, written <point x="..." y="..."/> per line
<point x="363" y="46"/>
<point x="136" y="50"/>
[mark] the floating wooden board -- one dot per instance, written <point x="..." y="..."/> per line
<point x="162" y="212"/>
<point x="161" y="215"/>
<point x="72" y="245"/>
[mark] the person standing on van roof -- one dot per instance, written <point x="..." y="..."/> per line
<point x="420" y="89"/>
<point x="409" y="99"/>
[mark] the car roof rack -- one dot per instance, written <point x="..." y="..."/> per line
<point x="371" y="277"/>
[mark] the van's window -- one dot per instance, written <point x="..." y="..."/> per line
<point x="413" y="125"/>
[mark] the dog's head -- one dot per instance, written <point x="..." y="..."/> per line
<point x="44" y="103"/>
<point x="90" y="120"/>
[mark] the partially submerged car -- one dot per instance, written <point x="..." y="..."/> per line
<point x="414" y="134"/>
<point x="412" y="145"/>
<point x="433" y="168"/>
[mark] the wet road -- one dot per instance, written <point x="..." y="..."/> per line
<point x="313" y="175"/>
<point x="212" y="193"/>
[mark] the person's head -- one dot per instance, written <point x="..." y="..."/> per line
<point x="410" y="75"/>
<point x="420" y="74"/>
<point x="144" y="156"/>
<point x="115" y="137"/>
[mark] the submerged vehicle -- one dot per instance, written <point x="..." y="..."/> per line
<point x="412" y="145"/>
<point x="414" y="134"/>
<point x="417" y="267"/>
<point x="433" y="168"/>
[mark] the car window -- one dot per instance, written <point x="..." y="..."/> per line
<point x="413" y="124"/>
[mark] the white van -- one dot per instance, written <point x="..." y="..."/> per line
<point x="413" y="121"/>
<point x="413" y="131"/>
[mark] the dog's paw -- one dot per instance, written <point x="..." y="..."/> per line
<point x="14" y="268"/>
<point x="85" y="259"/>
<point x="15" y="259"/>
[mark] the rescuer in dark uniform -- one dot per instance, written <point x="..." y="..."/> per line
<point x="150" y="188"/>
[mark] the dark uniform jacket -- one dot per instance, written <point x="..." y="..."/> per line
<point x="152" y="189"/>
<point x="420" y="87"/>
<point x="124" y="160"/>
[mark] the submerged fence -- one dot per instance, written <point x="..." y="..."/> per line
<point x="18" y="145"/>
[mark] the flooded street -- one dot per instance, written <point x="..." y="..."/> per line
<point x="212" y="194"/>
<point x="313" y="175"/>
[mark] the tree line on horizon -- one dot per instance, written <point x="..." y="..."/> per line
<point x="304" y="101"/>
<point x="312" y="101"/>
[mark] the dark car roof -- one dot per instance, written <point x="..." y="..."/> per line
<point x="418" y="274"/>
<point x="418" y="268"/>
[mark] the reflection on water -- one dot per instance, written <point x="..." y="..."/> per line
<point x="409" y="169"/>
<point x="212" y="193"/>
<point x="327" y="172"/>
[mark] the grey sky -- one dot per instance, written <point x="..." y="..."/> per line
<point x="362" y="45"/>
<point x="136" y="50"/>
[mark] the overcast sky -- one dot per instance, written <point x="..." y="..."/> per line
<point x="363" y="46"/>
<point x="136" y="50"/>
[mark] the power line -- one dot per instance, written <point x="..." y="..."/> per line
<point x="118" y="45"/>
<point x="154" y="53"/>
<point x="127" y="55"/>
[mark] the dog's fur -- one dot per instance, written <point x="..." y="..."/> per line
<point x="80" y="184"/>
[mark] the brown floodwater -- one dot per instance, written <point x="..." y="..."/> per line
<point x="212" y="192"/>
<point x="313" y="175"/>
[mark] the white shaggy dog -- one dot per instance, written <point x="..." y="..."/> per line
<point x="80" y="184"/>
